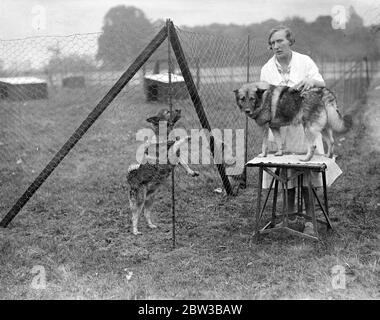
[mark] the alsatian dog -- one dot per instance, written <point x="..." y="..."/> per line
<point x="277" y="106"/>
<point x="145" y="179"/>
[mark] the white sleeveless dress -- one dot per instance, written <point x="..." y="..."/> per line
<point x="300" y="67"/>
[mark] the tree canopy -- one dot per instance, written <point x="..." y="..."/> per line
<point x="317" y="38"/>
<point x="126" y="30"/>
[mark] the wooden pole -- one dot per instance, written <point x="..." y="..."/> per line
<point x="171" y="119"/>
<point x="180" y="56"/>
<point x="197" y="66"/>
<point x="366" y="71"/>
<point x="246" y="117"/>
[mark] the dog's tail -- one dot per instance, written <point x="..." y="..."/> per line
<point x="335" y="120"/>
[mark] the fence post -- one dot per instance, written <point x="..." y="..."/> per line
<point x="198" y="75"/>
<point x="322" y="67"/>
<point x="246" y="117"/>
<point x="351" y="75"/>
<point x="170" y="93"/>
<point x="343" y="68"/>
<point x="358" y="80"/>
<point x="194" y="95"/>
<point x="366" y="70"/>
<point x="156" y="69"/>
<point x="363" y="79"/>
<point x="334" y="70"/>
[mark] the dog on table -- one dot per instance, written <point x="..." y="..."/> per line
<point x="145" y="179"/>
<point x="278" y="106"/>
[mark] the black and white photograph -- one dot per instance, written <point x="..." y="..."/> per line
<point x="213" y="152"/>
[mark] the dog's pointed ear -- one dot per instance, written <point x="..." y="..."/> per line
<point x="236" y="92"/>
<point x="155" y="120"/>
<point x="262" y="85"/>
<point x="259" y="93"/>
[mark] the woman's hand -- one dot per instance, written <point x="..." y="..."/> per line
<point x="305" y="84"/>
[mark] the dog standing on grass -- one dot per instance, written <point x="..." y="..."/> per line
<point x="278" y="106"/>
<point x="145" y="179"/>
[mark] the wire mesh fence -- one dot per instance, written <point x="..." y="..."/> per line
<point x="349" y="80"/>
<point x="49" y="85"/>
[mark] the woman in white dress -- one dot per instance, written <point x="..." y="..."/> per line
<point x="299" y="71"/>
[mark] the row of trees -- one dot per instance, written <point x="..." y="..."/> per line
<point x="127" y="30"/>
<point x="317" y="38"/>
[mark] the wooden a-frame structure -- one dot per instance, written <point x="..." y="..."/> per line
<point x="167" y="31"/>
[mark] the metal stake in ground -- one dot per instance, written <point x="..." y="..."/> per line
<point x="171" y="119"/>
<point x="246" y="118"/>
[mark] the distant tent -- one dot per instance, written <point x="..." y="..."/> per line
<point x="23" y="88"/>
<point x="156" y="87"/>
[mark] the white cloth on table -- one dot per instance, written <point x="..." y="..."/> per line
<point x="332" y="169"/>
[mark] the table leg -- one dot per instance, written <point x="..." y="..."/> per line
<point x="258" y="209"/>
<point x="311" y="203"/>
<point x="299" y="195"/>
<point x="286" y="204"/>
<point x="273" y="222"/>
<point x="301" y="192"/>
<point x="325" y="194"/>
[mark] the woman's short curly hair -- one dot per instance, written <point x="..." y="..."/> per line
<point x="288" y="33"/>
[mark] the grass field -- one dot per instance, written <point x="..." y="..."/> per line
<point x="77" y="226"/>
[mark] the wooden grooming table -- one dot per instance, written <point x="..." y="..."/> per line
<point x="278" y="168"/>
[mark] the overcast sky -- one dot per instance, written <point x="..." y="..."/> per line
<point x="63" y="17"/>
